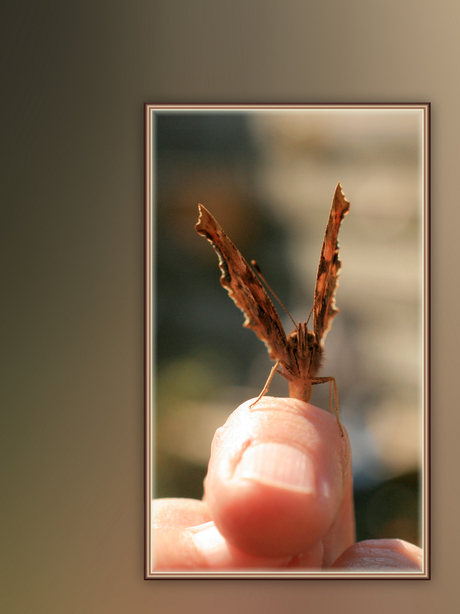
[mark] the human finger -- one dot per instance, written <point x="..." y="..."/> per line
<point x="380" y="555"/>
<point x="279" y="482"/>
<point x="184" y="538"/>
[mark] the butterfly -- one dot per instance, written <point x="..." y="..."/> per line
<point x="298" y="355"/>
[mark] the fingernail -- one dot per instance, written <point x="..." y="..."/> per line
<point x="277" y="465"/>
<point x="212" y="545"/>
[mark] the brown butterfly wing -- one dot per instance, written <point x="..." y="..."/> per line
<point x="324" y="308"/>
<point x="245" y="289"/>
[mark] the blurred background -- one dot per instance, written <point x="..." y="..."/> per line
<point x="268" y="177"/>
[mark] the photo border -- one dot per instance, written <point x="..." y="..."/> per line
<point x="149" y="349"/>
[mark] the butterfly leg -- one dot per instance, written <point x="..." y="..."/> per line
<point x="267" y="384"/>
<point x="333" y="396"/>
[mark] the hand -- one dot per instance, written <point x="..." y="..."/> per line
<point x="278" y="495"/>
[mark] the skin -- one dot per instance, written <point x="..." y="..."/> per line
<point x="278" y="495"/>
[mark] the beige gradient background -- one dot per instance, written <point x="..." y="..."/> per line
<point x="74" y="80"/>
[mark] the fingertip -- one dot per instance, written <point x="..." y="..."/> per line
<point x="276" y="476"/>
<point x="381" y="555"/>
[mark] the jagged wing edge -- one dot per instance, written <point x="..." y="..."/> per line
<point x="324" y="306"/>
<point x="249" y="296"/>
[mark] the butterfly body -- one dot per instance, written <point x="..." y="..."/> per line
<point x="305" y="364"/>
<point x="298" y="356"/>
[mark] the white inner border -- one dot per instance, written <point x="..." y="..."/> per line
<point x="150" y="353"/>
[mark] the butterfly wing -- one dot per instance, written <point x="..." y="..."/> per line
<point x="324" y="308"/>
<point x="245" y="289"/>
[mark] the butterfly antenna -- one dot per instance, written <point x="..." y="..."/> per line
<point x="309" y="315"/>
<point x="262" y="278"/>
